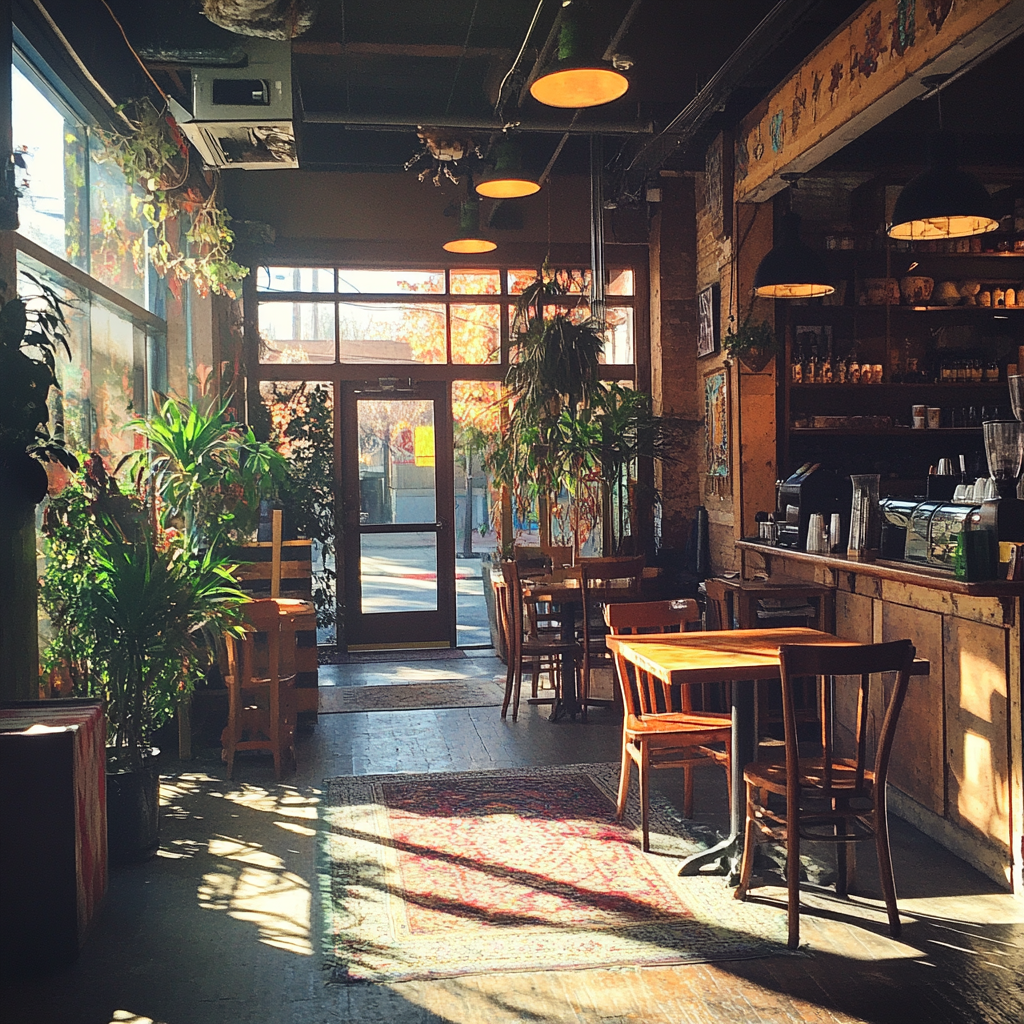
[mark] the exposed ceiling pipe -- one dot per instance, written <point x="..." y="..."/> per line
<point x="623" y="29"/>
<point x="389" y="122"/>
<point x="771" y="31"/>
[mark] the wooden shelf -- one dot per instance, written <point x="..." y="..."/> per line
<point x="949" y="389"/>
<point x="884" y="431"/>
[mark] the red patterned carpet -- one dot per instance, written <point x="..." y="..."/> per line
<point x="521" y="869"/>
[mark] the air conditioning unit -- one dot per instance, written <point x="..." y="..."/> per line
<point x="242" y="117"/>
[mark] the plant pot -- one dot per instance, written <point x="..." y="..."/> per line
<point x="489" y="600"/>
<point x="755" y="360"/>
<point x="133" y="815"/>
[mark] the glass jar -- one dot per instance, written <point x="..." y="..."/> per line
<point x="865" y="519"/>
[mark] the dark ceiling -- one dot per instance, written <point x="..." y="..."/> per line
<point x="395" y="64"/>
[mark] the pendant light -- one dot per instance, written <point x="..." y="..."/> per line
<point x="574" y="79"/>
<point x="942" y="201"/>
<point x="792" y="270"/>
<point x="469" y="239"/>
<point x="507" y="179"/>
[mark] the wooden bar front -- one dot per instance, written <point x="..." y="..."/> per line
<point x="956" y="768"/>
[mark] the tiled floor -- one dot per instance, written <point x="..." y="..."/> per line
<point x="221" y="927"/>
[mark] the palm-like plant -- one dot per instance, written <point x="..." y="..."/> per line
<point x="208" y="471"/>
<point x="151" y="613"/>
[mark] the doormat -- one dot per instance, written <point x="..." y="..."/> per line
<point x="378" y="657"/>
<point x="524" y="869"/>
<point x="438" y="693"/>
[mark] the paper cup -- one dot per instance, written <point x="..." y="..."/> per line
<point x="920" y="423"/>
<point x="934" y="418"/>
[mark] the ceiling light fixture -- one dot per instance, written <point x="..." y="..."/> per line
<point x="507" y="180"/>
<point x="469" y="239"/>
<point x="792" y="270"/>
<point x="942" y="201"/>
<point x="574" y="79"/>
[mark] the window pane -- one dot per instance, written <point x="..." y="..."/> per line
<point x="52" y="179"/>
<point x="296" y="332"/>
<point x="475" y="282"/>
<point x="113" y="229"/>
<point x="620" y="282"/>
<point x="476" y="336"/>
<point x="112" y="381"/>
<point x="396" y="461"/>
<point x="382" y="332"/>
<point x="302" y="429"/>
<point x="387" y="282"/>
<point x="294" y="279"/>
<point x="618" y="345"/>
<point x="398" y="573"/>
<point x="518" y="280"/>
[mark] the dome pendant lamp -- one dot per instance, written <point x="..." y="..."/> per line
<point x="469" y="239"/>
<point x="792" y="270"/>
<point x="943" y="201"/>
<point x="574" y="79"/>
<point x="507" y="180"/>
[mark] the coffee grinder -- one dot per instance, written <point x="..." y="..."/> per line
<point x="1004" y="449"/>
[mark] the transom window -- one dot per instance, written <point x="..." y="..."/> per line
<point x="347" y="315"/>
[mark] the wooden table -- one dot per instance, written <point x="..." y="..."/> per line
<point x="724" y="656"/>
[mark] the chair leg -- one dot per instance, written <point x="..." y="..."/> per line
<point x="509" y="675"/>
<point x="885" y="875"/>
<point x="624" y="772"/>
<point x="793" y="874"/>
<point x="687" y="791"/>
<point x="535" y="677"/>
<point x="517" y="686"/>
<point x="749" y="845"/>
<point x="645" y="780"/>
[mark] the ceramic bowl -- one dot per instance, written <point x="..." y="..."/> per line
<point x="916" y="291"/>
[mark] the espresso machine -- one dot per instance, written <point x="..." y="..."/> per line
<point x="810" y="489"/>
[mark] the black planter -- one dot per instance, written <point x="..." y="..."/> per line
<point x="133" y="815"/>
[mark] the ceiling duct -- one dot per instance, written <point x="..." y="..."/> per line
<point x="242" y="117"/>
<point x="269" y="19"/>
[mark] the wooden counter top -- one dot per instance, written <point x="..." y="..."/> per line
<point x="899" y="572"/>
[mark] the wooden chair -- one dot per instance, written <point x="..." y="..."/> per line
<point x="654" y="735"/>
<point x="520" y="645"/>
<point x="820" y="792"/>
<point x="601" y="580"/>
<point x="261" y="689"/>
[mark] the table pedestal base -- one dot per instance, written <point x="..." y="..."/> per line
<point x="721" y="859"/>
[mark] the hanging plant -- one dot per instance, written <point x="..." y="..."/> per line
<point x="753" y="342"/>
<point x="154" y="155"/>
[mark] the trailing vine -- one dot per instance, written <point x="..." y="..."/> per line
<point x="154" y="155"/>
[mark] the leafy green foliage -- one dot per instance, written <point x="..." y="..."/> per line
<point x="750" y="336"/>
<point x="32" y="333"/>
<point x="155" y="156"/>
<point x="134" y="615"/>
<point x="310" y="490"/>
<point x="208" y="472"/>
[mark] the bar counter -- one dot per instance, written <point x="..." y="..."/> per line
<point x="956" y="766"/>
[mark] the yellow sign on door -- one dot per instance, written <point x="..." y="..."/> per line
<point x="423" y="446"/>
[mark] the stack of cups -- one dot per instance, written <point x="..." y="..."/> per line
<point x="817" y="542"/>
<point x="920" y="416"/>
<point x="834" y="530"/>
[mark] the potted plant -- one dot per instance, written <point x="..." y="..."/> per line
<point x="753" y="342"/>
<point x="136" y="613"/>
<point x="32" y="333"/>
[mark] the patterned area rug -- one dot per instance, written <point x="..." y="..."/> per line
<point x="442" y="875"/>
<point x="411" y="696"/>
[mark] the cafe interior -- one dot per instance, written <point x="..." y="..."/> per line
<point x="419" y="422"/>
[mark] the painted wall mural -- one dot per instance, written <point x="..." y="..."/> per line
<point x="878" y="48"/>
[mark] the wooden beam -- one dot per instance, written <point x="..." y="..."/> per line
<point x="872" y="65"/>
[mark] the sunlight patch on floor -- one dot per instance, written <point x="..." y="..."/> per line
<point x="253" y="885"/>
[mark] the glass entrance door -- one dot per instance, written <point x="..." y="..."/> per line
<point x="399" y="543"/>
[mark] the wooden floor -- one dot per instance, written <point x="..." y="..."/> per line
<point x="221" y="927"/>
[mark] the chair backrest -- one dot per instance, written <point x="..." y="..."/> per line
<point x="641" y="693"/>
<point x="261" y="617"/>
<point x="833" y="660"/>
<point x="560" y="554"/>
<point x="513" y="606"/>
<point x="602" y="580"/>
<point x="718" y="609"/>
<point x="530" y="559"/>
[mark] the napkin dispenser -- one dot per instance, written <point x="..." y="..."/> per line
<point x="810" y="489"/>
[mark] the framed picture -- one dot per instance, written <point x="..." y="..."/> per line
<point x="716" y="429"/>
<point x="707" y="321"/>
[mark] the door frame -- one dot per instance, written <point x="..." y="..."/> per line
<point x="394" y="630"/>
